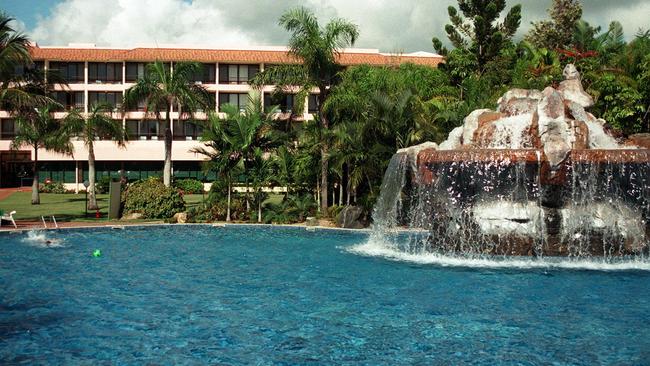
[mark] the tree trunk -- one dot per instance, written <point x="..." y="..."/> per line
<point x="167" y="170"/>
<point x="259" y="208"/>
<point x="36" y="198"/>
<point x="324" y="167"/>
<point x="341" y="191"/>
<point x="369" y="184"/>
<point x="318" y="193"/>
<point x="228" y="205"/>
<point x="92" y="198"/>
<point x="347" y="187"/>
<point x="248" y="201"/>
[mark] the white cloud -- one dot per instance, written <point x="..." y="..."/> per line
<point x="406" y="25"/>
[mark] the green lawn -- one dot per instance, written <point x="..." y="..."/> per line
<point x="65" y="207"/>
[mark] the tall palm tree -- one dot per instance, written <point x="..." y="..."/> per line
<point x="39" y="129"/>
<point x="14" y="48"/>
<point x="317" y="48"/>
<point x="25" y="90"/>
<point x="97" y="124"/>
<point x="164" y="89"/>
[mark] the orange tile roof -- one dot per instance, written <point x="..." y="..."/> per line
<point x="213" y="55"/>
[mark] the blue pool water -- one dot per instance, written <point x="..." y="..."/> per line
<point x="258" y="296"/>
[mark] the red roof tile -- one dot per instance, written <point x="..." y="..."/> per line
<point x="213" y="55"/>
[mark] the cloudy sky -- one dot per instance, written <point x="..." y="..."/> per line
<point x="390" y="25"/>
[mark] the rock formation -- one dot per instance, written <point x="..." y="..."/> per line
<point x="538" y="176"/>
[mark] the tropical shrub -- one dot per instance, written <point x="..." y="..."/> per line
<point x="152" y="199"/>
<point x="189" y="186"/>
<point x="103" y="184"/>
<point x="52" y="187"/>
<point x="294" y="208"/>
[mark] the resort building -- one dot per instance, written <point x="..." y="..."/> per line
<point x="97" y="74"/>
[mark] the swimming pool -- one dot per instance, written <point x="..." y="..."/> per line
<point x="258" y="295"/>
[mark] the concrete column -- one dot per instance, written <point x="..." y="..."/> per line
<point x="86" y="87"/>
<point x="216" y="95"/>
<point x="76" y="176"/>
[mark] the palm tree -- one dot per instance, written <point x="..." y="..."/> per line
<point x="39" y="130"/>
<point x="14" y="49"/>
<point x="232" y="140"/>
<point x="23" y="90"/>
<point x="282" y="164"/>
<point x="98" y="124"/>
<point x="224" y="156"/>
<point x="317" y="47"/>
<point x="260" y="172"/>
<point x="164" y="89"/>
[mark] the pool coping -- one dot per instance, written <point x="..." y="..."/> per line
<point x="215" y="225"/>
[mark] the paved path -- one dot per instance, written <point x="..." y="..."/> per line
<point x="6" y="192"/>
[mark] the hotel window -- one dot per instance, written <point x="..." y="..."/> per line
<point x="211" y="98"/>
<point x="142" y="169"/>
<point x="112" y="98"/>
<point x="192" y="169"/>
<point x="109" y="72"/>
<point x="106" y="136"/>
<point x="21" y="70"/>
<point x="312" y="104"/>
<point x="240" y="100"/>
<point x="285" y="102"/>
<point x="144" y="130"/>
<point x="57" y="171"/>
<point x="206" y="74"/>
<point x="135" y="71"/>
<point x="7" y="129"/>
<point x="69" y="100"/>
<point x="140" y="106"/>
<point x="187" y="130"/>
<point x="72" y="72"/>
<point x="237" y="74"/>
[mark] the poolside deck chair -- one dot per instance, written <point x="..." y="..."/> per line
<point x="8" y="217"/>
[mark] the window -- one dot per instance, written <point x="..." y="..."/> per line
<point x="110" y="72"/>
<point x="141" y="106"/>
<point x="205" y="75"/>
<point x="237" y="74"/>
<point x="240" y="100"/>
<point x="112" y="98"/>
<point x="136" y="170"/>
<point x="192" y="169"/>
<point x="312" y="104"/>
<point x="21" y="70"/>
<point x="73" y="72"/>
<point x="285" y="102"/>
<point x="211" y="98"/>
<point x="145" y="130"/>
<point x="69" y="100"/>
<point x="186" y="130"/>
<point x="135" y="71"/>
<point x="7" y="129"/>
<point x="57" y="171"/>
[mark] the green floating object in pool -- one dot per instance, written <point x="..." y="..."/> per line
<point x="97" y="253"/>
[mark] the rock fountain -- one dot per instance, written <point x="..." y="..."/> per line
<point x="540" y="176"/>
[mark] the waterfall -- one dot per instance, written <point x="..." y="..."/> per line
<point x="539" y="177"/>
<point x="388" y="209"/>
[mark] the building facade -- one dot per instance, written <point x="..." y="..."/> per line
<point x="104" y="74"/>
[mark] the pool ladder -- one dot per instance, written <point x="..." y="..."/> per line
<point x="56" y="225"/>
